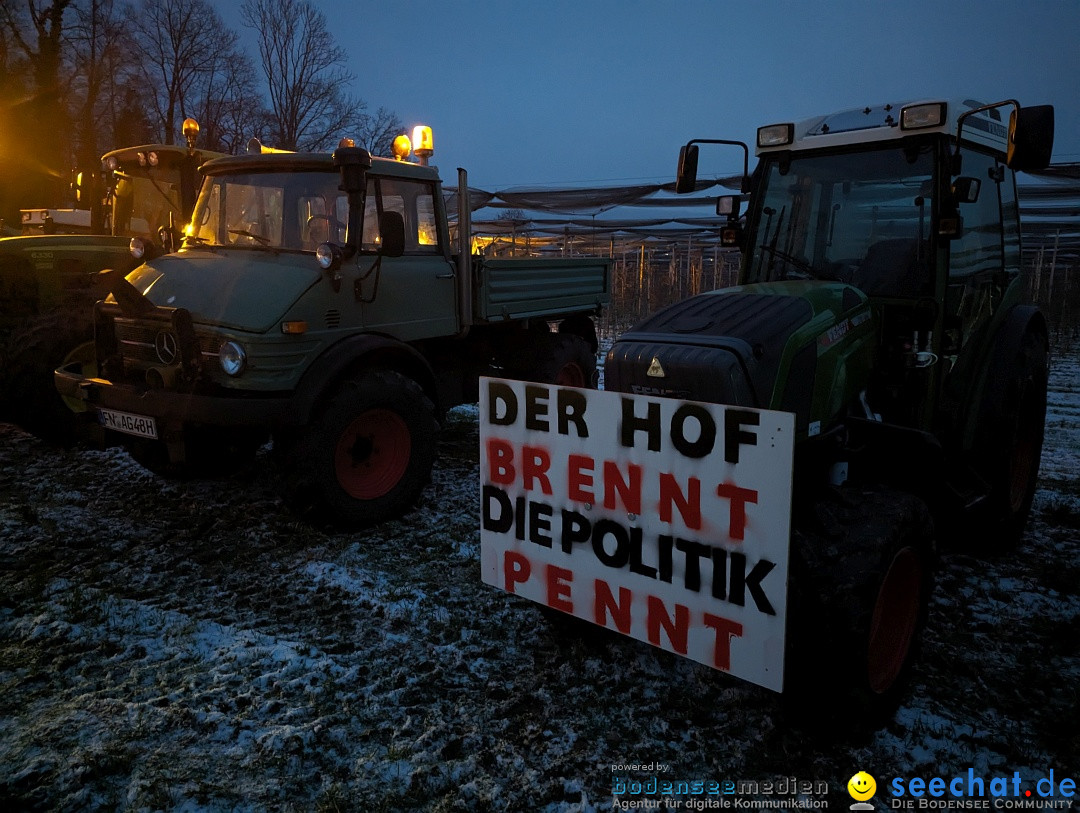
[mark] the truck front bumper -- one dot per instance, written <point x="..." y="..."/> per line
<point x="170" y="411"/>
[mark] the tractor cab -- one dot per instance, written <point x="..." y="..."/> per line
<point x="914" y="205"/>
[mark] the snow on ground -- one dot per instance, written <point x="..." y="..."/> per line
<point x="191" y="646"/>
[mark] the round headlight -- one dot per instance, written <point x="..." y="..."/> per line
<point x="152" y="158"/>
<point x="232" y="357"/>
<point x="137" y="247"/>
<point x="142" y="159"/>
<point x="328" y="256"/>
<point x="111" y="163"/>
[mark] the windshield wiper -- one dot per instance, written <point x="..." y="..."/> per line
<point x="263" y="241"/>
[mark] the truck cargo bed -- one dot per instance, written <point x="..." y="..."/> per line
<point x="526" y="287"/>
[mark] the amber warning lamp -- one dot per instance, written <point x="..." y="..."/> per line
<point x="422" y="143"/>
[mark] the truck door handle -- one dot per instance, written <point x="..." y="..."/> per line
<point x="451" y="275"/>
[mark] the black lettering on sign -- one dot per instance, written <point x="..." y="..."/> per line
<point x="631" y="423"/>
<point x="500" y="394"/>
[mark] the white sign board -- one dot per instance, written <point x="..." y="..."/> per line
<point x="664" y="520"/>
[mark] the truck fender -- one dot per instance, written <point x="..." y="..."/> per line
<point x="350" y="355"/>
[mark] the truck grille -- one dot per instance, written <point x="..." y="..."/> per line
<point x="150" y="344"/>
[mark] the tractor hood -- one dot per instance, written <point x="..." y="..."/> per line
<point x="243" y="290"/>
<point x="752" y="345"/>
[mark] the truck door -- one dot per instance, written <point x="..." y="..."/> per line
<point x="413" y="296"/>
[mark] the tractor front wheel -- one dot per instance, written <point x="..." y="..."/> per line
<point x="861" y="579"/>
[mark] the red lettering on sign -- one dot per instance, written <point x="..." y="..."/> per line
<point x="604" y="605"/>
<point x="676" y="629"/>
<point x="500" y="455"/>
<point x="558" y="588"/>
<point x="689" y="504"/>
<point x="535" y="464"/>
<point x="726" y="629"/>
<point x="739" y="498"/>
<point x="629" y="490"/>
<point x="579" y="470"/>
<point x="516" y="569"/>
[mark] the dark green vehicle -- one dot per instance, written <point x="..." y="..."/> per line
<point x="880" y="302"/>
<point x="317" y="300"/>
<point x="49" y="282"/>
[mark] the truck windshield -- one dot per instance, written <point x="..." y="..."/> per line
<point x="279" y="210"/>
<point x="861" y="217"/>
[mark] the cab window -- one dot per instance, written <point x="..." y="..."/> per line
<point x="414" y="201"/>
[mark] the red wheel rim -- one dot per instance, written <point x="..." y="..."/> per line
<point x="372" y="454"/>
<point x="571" y="375"/>
<point x="896" y="615"/>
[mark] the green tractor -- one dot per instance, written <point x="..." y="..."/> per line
<point x="50" y="276"/>
<point x="880" y="301"/>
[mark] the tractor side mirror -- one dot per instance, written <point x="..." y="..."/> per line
<point x="1031" y="138"/>
<point x="686" y="179"/>
<point x="731" y="233"/>
<point x="966" y="189"/>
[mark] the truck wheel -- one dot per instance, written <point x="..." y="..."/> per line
<point x="367" y="455"/>
<point x="564" y="359"/>
<point x="1011" y="426"/>
<point x="861" y="580"/>
<point x="581" y="325"/>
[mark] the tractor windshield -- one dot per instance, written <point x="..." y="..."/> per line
<point x="859" y="217"/>
<point x="278" y="210"/>
<point x="143" y="201"/>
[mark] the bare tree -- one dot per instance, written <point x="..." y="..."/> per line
<point x="227" y="103"/>
<point x="185" y="47"/>
<point x="376" y="132"/>
<point x="99" y="56"/>
<point x="37" y="130"/>
<point x="305" y="73"/>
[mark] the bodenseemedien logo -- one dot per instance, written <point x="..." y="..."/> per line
<point x="862" y="787"/>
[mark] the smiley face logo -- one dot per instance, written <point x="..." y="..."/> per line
<point x="861" y="786"/>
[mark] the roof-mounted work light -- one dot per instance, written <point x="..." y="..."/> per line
<point x="775" y="135"/>
<point x="920" y="116"/>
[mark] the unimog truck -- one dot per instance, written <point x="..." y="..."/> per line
<point x="880" y="302"/>
<point x="50" y="281"/>
<point x="317" y="301"/>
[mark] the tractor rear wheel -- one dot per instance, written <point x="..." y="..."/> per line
<point x="1011" y="425"/>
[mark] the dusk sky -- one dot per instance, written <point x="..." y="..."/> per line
<point x="603" y="92"/>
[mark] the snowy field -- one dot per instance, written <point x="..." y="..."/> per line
<point x="190" y="646"/>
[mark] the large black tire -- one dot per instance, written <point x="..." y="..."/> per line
<point x="563" y="359"/>
<point x="861" y="579"/>
<point x="366" y="456"/>
<point x="1012" y="420"/>
<point x="27" y="361"/>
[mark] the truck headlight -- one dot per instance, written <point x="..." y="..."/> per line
<point x="232" y="358"/>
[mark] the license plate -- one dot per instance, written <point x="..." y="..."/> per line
<point x="139" y="425"/>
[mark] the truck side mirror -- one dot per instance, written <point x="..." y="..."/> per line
<point x="1031" y="138"/>
<point x="391" y="234"/>
<point x="686" y="178"/>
